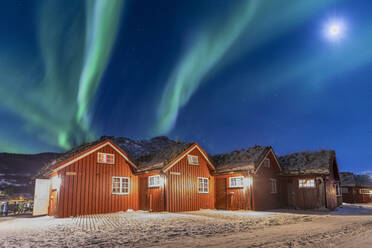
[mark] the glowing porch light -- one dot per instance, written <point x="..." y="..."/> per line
<point x="162" y="180"/>
<point x="247" y="181"/>
<point x="56" y="182"/>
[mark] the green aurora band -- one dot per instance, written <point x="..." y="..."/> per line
<point x="75" y="47"/>
<point x="249" y="25"/>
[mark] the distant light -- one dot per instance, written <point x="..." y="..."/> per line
<point x="56" y="182"/>
<point x="335" y="30"/>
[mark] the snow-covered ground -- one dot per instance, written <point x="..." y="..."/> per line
<point x="349" y="226"/>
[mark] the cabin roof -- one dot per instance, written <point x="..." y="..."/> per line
<point x="162" y="156"/>
<point x="351" y="180"/>
<point x="245" y="159"/>
<point x="74" y="151"/>
<point x="347" y="179"/>
<point x="146" y="154"/>
<point x="308" y="162"/>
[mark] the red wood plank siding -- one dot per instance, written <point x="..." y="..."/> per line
<point x="354" y="196"/>
<point x="263" y="199"/>
<point x="182" y="190"/>
<point x="362" y="198"/>
<point x="236" y="198"/>
<point x="89" y="190"/>
<point x="151" y="199"/>
<point x="305" y="198"/>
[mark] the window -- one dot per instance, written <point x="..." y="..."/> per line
<point x="193" y="160"/>
<point x="106" y="158"/>
<point x="266" y="163"/>
<point x="154" y="181"/>
<point x="345" y="190"/>
<point x="365" y="191"/>
<point x="236" y="182"/>
<point x="120" y="185"/>
<point x="274" y="189"/>
<point x="306" y="183"/>
<point x="203" y="185"/>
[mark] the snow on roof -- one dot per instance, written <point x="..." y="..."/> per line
<point x="308" y="162"/>
<point x="363" y="180"/>
<point x="351" y="180"/>
<point x="347" y="179"/>
<point x="157" y="159"/>
<point x="74" y="151"/>
<point x="245" y="159"/>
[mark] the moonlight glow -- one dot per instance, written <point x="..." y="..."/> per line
<point x="334" y="30"/>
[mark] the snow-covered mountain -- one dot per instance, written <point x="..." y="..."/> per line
<point x="139" y="148"/>
<point x="368" y="173"/>
<point x="16" y="170"/>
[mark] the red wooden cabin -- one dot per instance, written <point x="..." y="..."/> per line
<point x="90" y="179"/>
<point x="247" y="179"/>
<point x="164" y="175"/>
<point x="355" y="188"/>
<point x="310" y="180"/>
<point x="176" y="178"/>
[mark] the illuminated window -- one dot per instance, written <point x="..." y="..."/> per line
<point x="193" y="160"/>
<point x="236" y="182"/>
<point x="306" y="183"/>
<point x="345" y="190"/>
<point x="365" y="191"/>
<point x="106" y="158"/>
<point x="120" y="185"/>
<point x="266" y="163"/>
<point x="274" y="189"/>
<point x="203" y="185"/>
<point x="154" y="181"/>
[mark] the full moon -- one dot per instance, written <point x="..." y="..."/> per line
<point x="334" y="30"/>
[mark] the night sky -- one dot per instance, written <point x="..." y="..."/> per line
<point x="226" y="74"/>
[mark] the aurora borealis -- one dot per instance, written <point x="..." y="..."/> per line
<point x="74" y="47"/>
<point x="227" y="74"/>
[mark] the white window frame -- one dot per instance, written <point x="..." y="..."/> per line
<point x="204" y="180"/>
<point x="365" y="192"/>
<point x="266" y="163"/>
<point x="344" y="190"/>
<point x="231" y="184"/>
<point x="274" y="186"/>
<point x="155" y="185"/>
<point x="105" y="156"/>
<point x="304" y="183"/>
<point x="193" y="160"/>
<point x="121" y="186"/>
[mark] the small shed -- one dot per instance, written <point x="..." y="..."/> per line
<point x="311" y="180"/>
<point x="356" y="188"/>
<point x="247" y="179"/>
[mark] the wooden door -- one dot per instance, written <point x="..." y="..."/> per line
<point x="53" y="203"/>
<point x="290" y="194"/>
<point x="221" y="193"/>
<point x="143" y="192"/>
